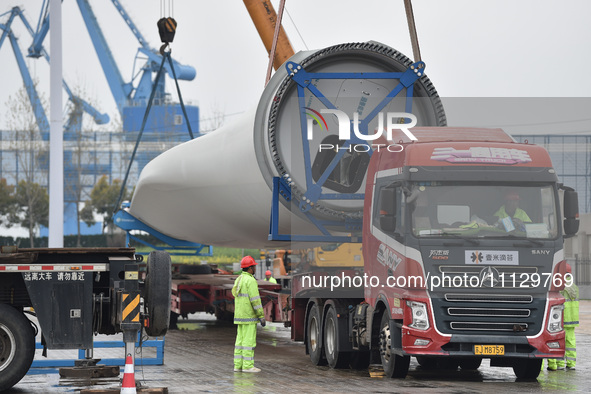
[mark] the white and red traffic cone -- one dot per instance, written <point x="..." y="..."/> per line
<point x="128" y="384"/>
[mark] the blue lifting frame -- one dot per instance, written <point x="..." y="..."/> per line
<point x="176" y="247"/>
<point x="282" y="188"/>
<point x="157" y="343"/>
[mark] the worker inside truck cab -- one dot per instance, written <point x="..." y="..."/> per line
<point x="269" y="277"/>
<point x="511" y="209"/>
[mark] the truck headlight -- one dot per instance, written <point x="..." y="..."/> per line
<point x="555" y="319"/>
<point x="420" y="320"/>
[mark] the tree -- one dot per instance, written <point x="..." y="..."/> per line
<point x="33" y="202"/>
<point x="103" y="199"/>
<point x="80" y="151"/>
<point x="26" y="144"/>
<point x="7" y="203"/>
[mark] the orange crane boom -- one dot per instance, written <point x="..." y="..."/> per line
<point x="264" y="18"/>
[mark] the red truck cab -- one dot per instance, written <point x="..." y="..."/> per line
<point x="459" y="273"/>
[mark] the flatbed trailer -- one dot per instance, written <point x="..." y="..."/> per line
<point x="75" y="293"/>
<point x="212" y="293"/>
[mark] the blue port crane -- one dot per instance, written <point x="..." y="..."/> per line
<point x="79" y="106"/>
<point x="131" y="97"/>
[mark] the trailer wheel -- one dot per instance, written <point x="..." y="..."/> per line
<point x="527" y="369"/>
<point x="334" y="356"/>
<point x="157" y="297"/>
<point x="313" y="335"/>
<point x="17" y="346"/>
<point x="395" y="366"/>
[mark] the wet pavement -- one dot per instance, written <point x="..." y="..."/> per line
<point x="198" y="358"/>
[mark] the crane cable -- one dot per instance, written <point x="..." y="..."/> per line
<point x="163" y="5"/>
<point x="166" y="28"/>
<point x="412" y="30"/>
<point x="275" y="39"/>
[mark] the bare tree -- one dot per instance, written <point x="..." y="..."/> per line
<point x="216" y="119"/>
<point x="27" y="145"/>
<point x="81" y="158"/>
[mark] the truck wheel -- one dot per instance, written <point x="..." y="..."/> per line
<point x="313" y="334"/>
<point x="157" y="297"/>
<point x="17" y="346"/>
<point x="334" y="356"/>
<point x="470" y="364"/>
<point x="527" y="369"/>
<point x="395" y="366"/>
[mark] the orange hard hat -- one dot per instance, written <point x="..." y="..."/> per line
<point x="247" y="261"/>
<point x="268" y="272"/>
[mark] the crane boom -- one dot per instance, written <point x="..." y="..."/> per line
<point x="264" y="18"/>
<point x="38" y="110"/>
<point x="37" y="50"/>
<point x="120" y="90"/>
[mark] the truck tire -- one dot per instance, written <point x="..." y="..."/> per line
<point x="157" y="297"/>
<point x="313" y="335"/>
<point x="334" y="356"/>
<point x="395" y="366"/>
<point x="528" y="369"/>
<point x="17" y="346"/>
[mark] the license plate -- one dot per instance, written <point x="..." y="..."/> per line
<point x="489" y="350"/>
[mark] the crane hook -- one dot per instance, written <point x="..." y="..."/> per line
<point x="166" y="29"/>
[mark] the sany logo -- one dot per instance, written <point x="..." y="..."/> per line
<point x="345" y="124"/>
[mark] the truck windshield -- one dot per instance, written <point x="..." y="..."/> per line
<point x="478" y="211"/>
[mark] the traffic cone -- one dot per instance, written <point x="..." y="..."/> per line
<point x="128" y="384"/>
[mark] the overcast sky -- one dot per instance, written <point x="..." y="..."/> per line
<point x="525" y="48"/>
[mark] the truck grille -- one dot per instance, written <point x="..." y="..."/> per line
<point x="521" y="327"/>
<point x="488" y="312"/>
<point x="470" y="312"/>
<point x="514" y="299"/>
<point x="491" y="276"/>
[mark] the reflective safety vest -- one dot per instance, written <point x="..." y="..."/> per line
<point x="248" y="308"/>
<point x="571" y="305"/>
<point x="519" y="214"/>
<point x="271" y="280"/>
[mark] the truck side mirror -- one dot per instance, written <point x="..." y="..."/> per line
<point x="571" y="213"/>
<point x="388" y="210"/>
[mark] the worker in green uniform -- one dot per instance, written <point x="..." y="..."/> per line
<point x="571" y="320"/>
<point x="269" y="278"/>
<point x="248" y="311"/>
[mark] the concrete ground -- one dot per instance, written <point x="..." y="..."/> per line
<point x="198" y="358"/>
